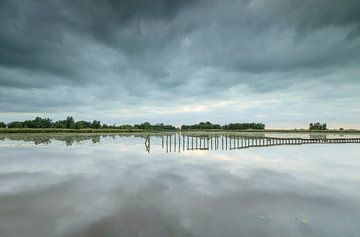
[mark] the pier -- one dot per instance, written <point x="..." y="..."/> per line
<point x="178" y="142"/>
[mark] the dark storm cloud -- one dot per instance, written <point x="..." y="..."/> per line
<point x="98" y="55"/>
<point x="30" y="43"/>
<point x="34" y="34"/>
<point x="261" y="36"/>
<point x="312" y="15"/>
<point x="306" y="15"/>
<point x="102" y="19"/>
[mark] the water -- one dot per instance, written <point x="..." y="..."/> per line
<point x="99" y="185"/>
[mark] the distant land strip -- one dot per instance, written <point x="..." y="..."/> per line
<point x="69" y="125"/>
<point x="120" y="130"/>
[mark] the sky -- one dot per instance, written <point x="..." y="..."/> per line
<point x="280" y="62"/>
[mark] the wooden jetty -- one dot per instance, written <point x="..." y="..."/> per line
<point x="180" y="142"/>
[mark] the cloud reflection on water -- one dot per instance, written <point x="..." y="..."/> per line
<point x="101" y="190"/>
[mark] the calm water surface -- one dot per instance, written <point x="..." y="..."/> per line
<point x="92" y="185"/>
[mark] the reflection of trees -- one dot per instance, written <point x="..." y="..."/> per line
<point x="95" y="139"/>
<point x="45" y="140"/>
<point x="39" y="139"/>
<point x="36" y="139"/>
<point x="318" y="136"/>
<point x="67" y="139"/>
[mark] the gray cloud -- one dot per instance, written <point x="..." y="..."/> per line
<point x="84" y="57"/>
<point x="43" y="37"/>
<point x="313" y="15"/>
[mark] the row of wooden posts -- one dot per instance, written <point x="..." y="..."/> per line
<point x="177" y="142"/>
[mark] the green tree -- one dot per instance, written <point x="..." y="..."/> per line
<point x="2" y="125"/>
<point x="317" y="126"/>
<point x="38" y="123"/>
<point x="82" y="124"/>
<point x="69" y="122"/>
<point x="243" y="126"/>
<point x="15" y="124"/>
<point x="96" y="124"/>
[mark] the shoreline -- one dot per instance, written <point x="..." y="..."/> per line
<point x="137" y="131"/>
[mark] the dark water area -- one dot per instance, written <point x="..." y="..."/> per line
<point x="112" y="185"/>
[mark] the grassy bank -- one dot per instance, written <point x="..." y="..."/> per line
<point x="57" y="130"/>
<point x="133" y="130"/>
<point x="274" y="130"/>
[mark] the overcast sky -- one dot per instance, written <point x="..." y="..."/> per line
<point x="284" y="63"/>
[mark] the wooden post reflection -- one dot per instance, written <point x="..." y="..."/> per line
<point x="174" y="142"/>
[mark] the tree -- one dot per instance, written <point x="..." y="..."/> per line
<point x="317" y="126"/>
<point x="148" y="126"/>
<point x="15" y="124"/>
<point x="82" y="124"/>
<point x="2" y="125"/>
<point x="145" y="125"/>
<point x="96" y="124"/>
<point x="69" y="122"/>
<point x="38" y="123"/>
<point x="230" y="126"/>
<point x="201" y="125"/>
<point x="243" y="126"/>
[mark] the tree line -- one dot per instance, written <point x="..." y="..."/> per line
<point x="70" y="123"/>
<point x="317" y="126"/>
<point x="230" y="126"/>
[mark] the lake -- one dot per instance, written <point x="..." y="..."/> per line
<point x="172" y="185"/>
